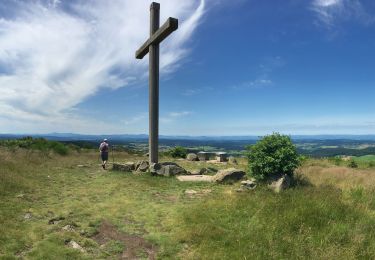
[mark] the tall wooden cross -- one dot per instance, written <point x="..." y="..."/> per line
<point x="151" y="46"/>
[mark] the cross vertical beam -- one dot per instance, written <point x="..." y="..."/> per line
<point x="151" y="46"/>
<point x="154" y="86"/>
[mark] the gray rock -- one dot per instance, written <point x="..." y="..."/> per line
<point x="123" y="167"/>
<point x="131" y="165"/>
<point x="55" y="220"/>
<point x="142" y="166"/>
<point x="75" y="245"/>
<point x="279" y="182"/>
<point x="167" y="169"/>
<point x="172" y="170"/>
<point x="248" y="184"/>
<point x="228" y="175"/>
<point x="195" y="178"/>
<point x="154" y="168"/>
<point x="28" y="216"/>
<point x="69" y="228"/>
<point x="192" y="157"/>
<point x="232" y="160"/>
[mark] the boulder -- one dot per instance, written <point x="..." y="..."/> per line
<point x="172" y="170"/>
<point x="154" y="168"/>
<point x="28" y="216"/>
<point x="69" y="228"/>
<point x="123" y="167"/>
<point x="279" y="182"/>
<point x="195" y="178"/>
<point x="131" y="165"/>
<point x="167" y="169"/>
<point x="232" y="160"/>
<point x="228" y="175"/>
<point x="142" y="166"/>
<point x="248" y="184"/>
<point x="75" y="245"/>
<point x="192" y="157"/>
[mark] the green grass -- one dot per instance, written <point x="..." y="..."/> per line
<point x="365" y="161"/>
<point x="313" y="221"/>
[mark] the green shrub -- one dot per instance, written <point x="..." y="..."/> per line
<point x="40" y="144"/>
<point x="352" y="164"/>
<point x="273" y="154"/>
<point x="178" y="152"/>
<point x="336" y="160"/>
<point x="59" y="148"/>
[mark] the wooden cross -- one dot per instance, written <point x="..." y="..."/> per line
<point x="151" y="46"/>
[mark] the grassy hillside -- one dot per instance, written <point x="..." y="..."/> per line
<point x="49" y="200"/>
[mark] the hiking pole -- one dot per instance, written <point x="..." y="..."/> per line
<point x="113" y="156"/>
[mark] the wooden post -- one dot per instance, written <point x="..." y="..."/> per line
<point x="151" y="46"/>
<point x="154" y="85"/>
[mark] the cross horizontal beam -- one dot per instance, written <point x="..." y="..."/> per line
<point x="163" y="32"/>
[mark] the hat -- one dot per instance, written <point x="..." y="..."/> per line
<point x="105" y="140"/>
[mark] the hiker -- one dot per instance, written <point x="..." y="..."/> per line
<point x="104" y="149"/>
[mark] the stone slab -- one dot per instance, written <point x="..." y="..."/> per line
<point x="195" y="178"/>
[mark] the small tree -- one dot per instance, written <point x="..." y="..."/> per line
<point x="273" y="154"/>
<point x="178" y="152"/>
<point x="353" y="164"/>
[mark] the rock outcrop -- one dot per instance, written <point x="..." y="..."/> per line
<point x="142" y="166"/>
<point x="192" y="157"/>
<point x="123" y="167"/>
<point x="167" y="169"/>
<point x="279" y="182"/>
<point x="228" y="175"/>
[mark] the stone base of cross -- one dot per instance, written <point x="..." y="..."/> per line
<point x="151" y="46"/>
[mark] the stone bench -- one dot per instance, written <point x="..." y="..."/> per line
<point x="221" y="156"/>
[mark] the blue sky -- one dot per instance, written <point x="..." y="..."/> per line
<point x="233" y="68"/>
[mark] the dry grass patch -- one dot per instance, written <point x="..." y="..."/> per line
<point x="338" y="176"/>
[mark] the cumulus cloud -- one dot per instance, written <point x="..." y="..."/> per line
<point x="331" y="12"/>
<point x="172" y="116"/>
<point x="54" y="54"/>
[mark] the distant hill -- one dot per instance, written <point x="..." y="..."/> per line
<point x="130" y="137"/>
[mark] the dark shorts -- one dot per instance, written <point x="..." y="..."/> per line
<point x="104" y="156"/>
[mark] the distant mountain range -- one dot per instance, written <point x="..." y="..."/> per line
<point x="130" y="137"/>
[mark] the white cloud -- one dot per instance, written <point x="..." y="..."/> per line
<point x="140" y="118"/>
<point x="254" y="84"/>
<point x="52" y="59"/>
<point x="329" y="13"/>
<point x="172" y="116"/>
<point x="263" y="79"/>
<point x="179" y="114"/>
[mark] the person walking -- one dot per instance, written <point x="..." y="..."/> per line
<point x="104" y="150"/>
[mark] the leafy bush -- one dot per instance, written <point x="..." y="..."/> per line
<point x="273" y="154"/>
<point x="40" y="144"/>
<point x="352" y="164"/>
<point x="178" y="152"/>
<point x="336" y="160"/>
